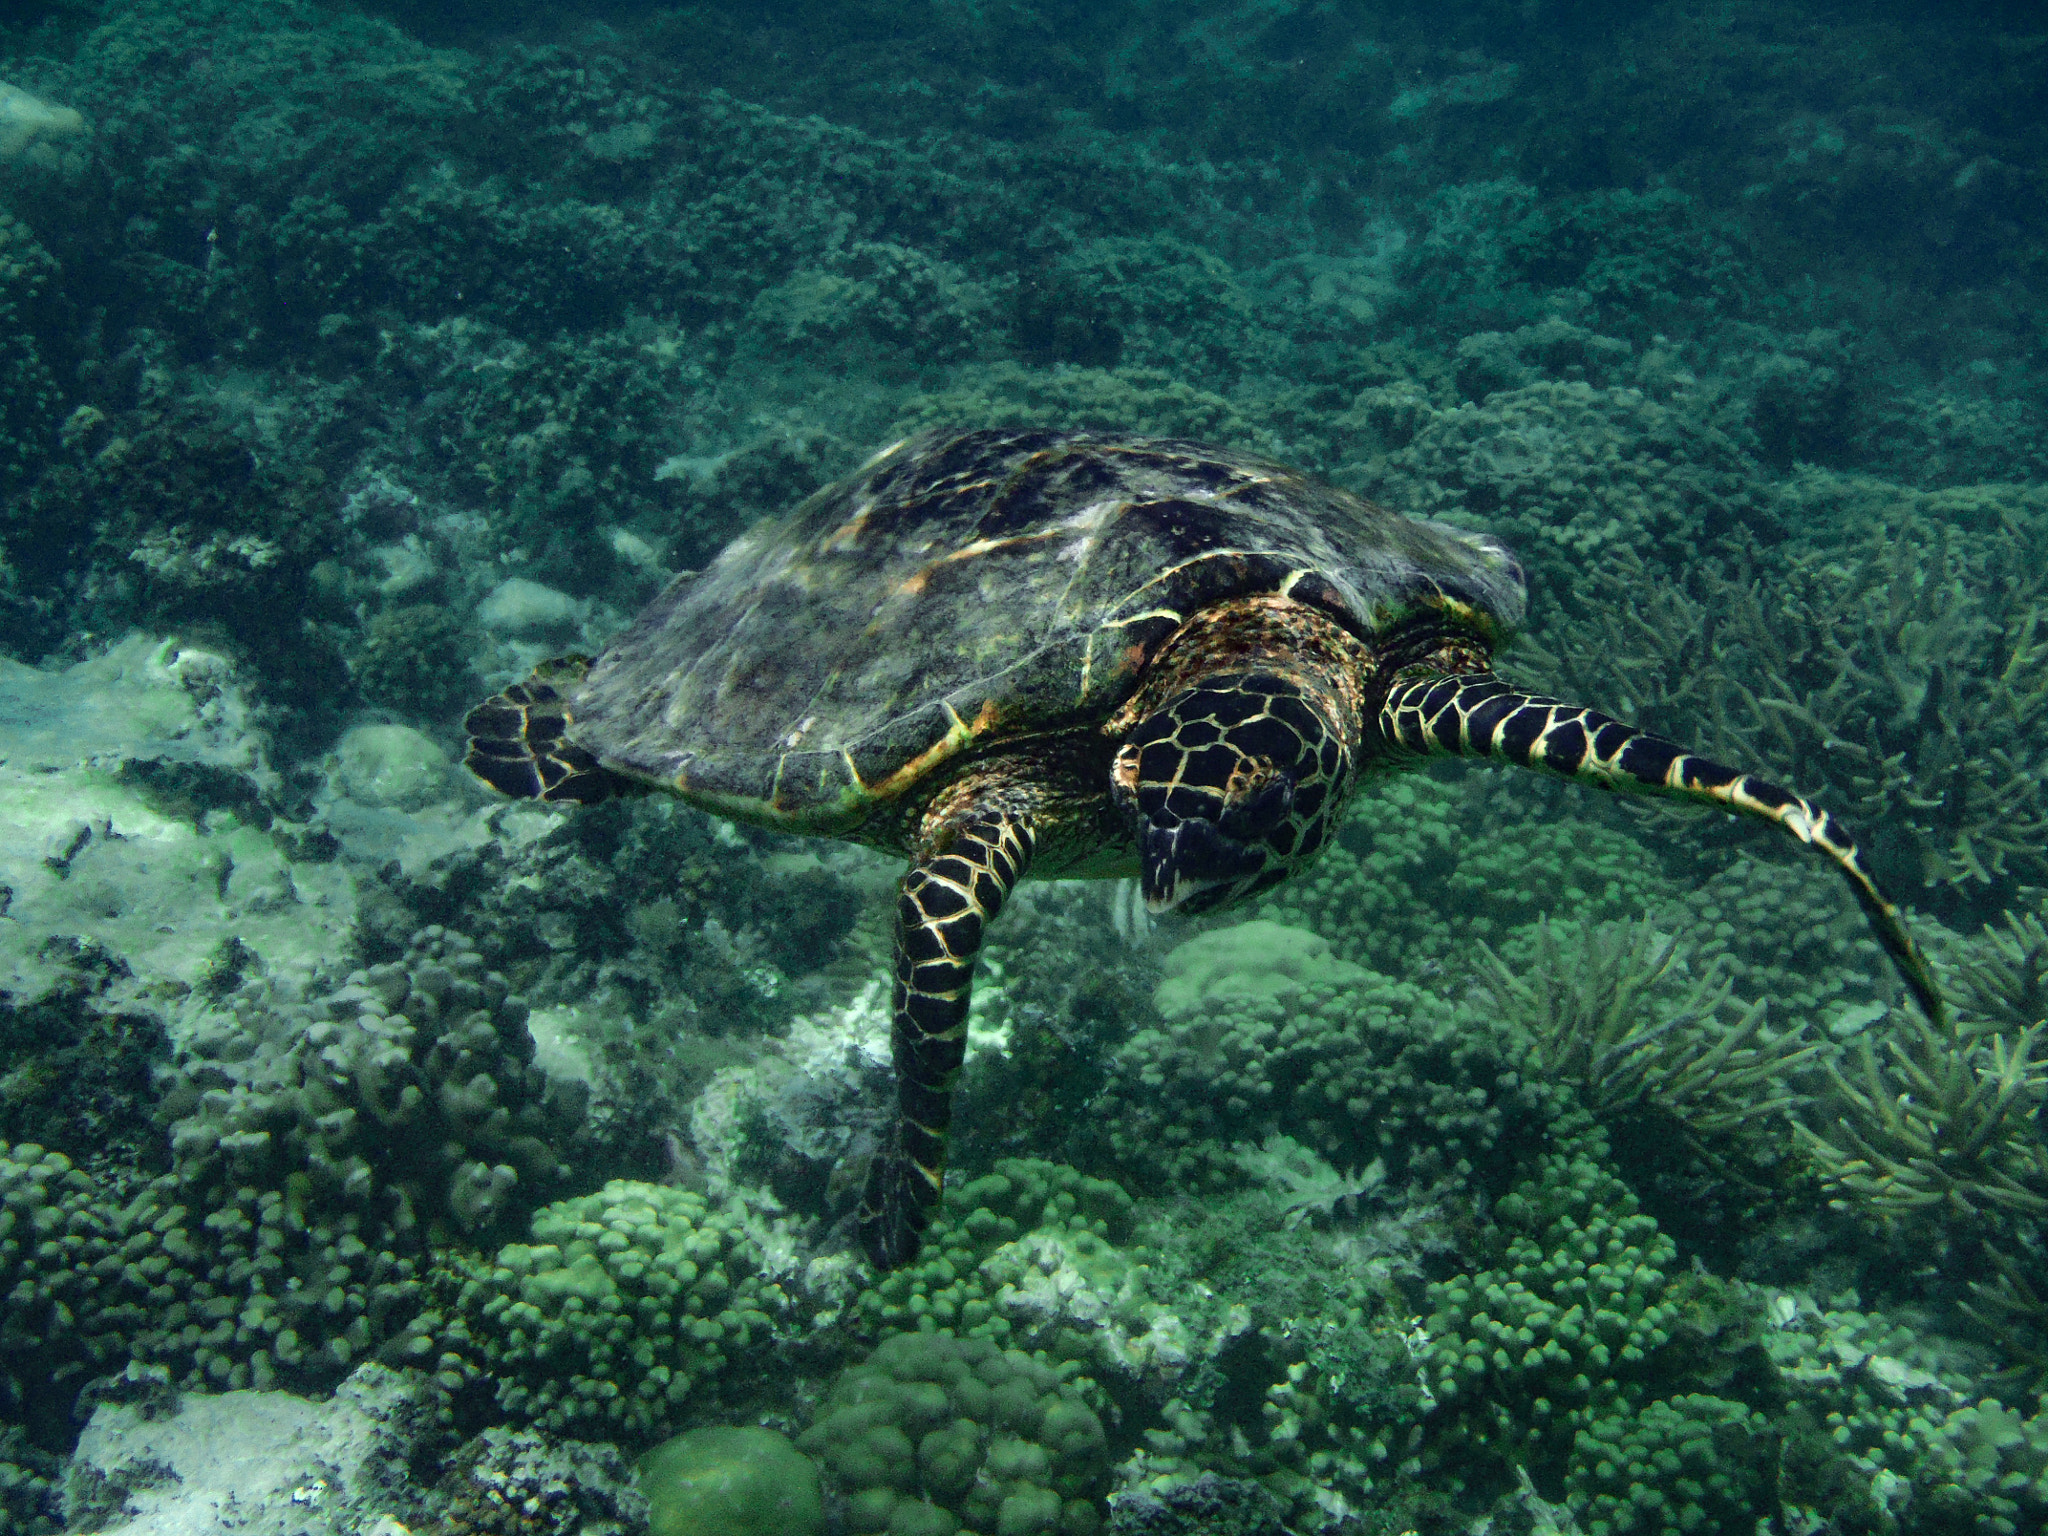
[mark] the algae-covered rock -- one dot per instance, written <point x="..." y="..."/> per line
<point x="527" y="610"/>
<point x="731" y="1481"/>
<point x="136" y="813"/>
<point x="37" y="133"/>
<point x="264" y="1463"/>
<point x="558" y="1487"/>
<point x="392" y="766"/>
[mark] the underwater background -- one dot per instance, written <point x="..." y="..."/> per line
<point x="381" y="1155"/>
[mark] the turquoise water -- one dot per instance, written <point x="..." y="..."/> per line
<point x="1536" y="1157"/>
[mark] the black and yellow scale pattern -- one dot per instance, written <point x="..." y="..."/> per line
<point x="1084" y="654"/>
<point x="944" y="905"/>
<point x="518" y="741"/>
<point x="1230" y="783"/>
<point x="1478" y="715"/>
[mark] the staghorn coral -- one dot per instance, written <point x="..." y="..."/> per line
<point x="1940" y="1123"/>
<point x="2001" y="981"/>
<point x="1608" y="1016"/>
<point x="1902" y="676"/>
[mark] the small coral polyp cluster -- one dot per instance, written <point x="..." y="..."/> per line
<point x="934" y="1434"/>
<point x="611" y="1322"/>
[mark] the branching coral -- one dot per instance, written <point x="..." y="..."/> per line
<point x="1600" y="1023"/>
<point x="1903" y="678"/>
<point x="1939" y="1123"/>
<point x="2001" y="981"/>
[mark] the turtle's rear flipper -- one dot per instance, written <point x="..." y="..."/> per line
<point x="518" y="740"/>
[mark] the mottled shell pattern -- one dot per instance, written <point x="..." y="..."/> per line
<point x="961" y="590"/>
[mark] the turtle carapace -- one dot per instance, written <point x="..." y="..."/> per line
<point x="1084" y="655"/>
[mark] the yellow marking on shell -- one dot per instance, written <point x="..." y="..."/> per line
<point x="981" y="547"/>
<point x="848" y="533"/>
<point x="959" y="734"/>
<point x="881" y="454"/>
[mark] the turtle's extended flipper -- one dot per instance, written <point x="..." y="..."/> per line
<point x="518" y="741"/>
<point x="947" y="899"/>
<point x="1477" y="715"/>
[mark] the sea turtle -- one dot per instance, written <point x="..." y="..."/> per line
<point x="1084" y="654"/>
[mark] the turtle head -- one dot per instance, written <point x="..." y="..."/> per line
<point x="1233" y="784"/>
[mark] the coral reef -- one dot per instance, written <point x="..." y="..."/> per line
<point x="1893" y="673"/>
<point x="723" y="1481"/>
<point x="1699" y="1054"/>
<point x="264" y="1462"/>
<point x="390" y="349"/>
<point x="1353" y="1065"/>
<point x="519" y="1482"/>
<point x="614" y="1319"/>
<point x="1037" y="1256"/>
<point x="933" y="1432"/>
<point x="1690" y="1463"/>
<point x="1939" y="1122"/>
<point x="1569" y="1326"/>
<point x="1426" y="868"/>
<point x="407" y="1096"/>
<point x="30" y="399"/>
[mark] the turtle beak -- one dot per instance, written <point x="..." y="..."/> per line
<point x="1196" y="864"/>
<point x="1191" y="867"/>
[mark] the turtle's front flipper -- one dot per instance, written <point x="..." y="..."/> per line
<point x="964" y="871"/>
<point x="1475" y="714"/>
